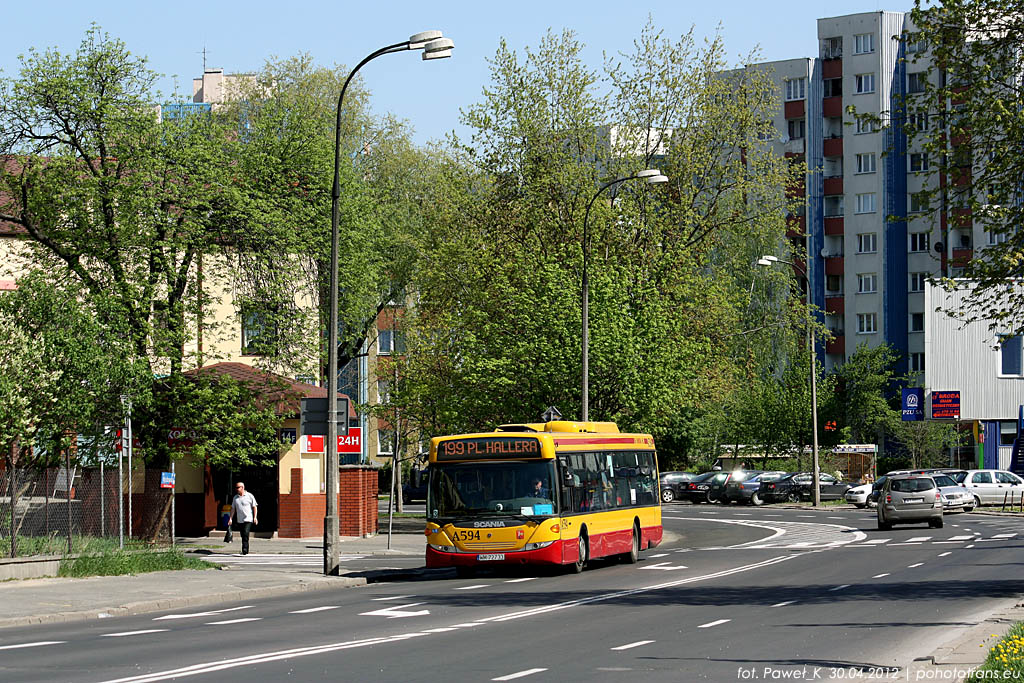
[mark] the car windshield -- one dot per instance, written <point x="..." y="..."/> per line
<point x="958" y="477"/>
<point x="912" y="485"/>
<point x="498" y="489"/>
<point x="704" y="477"/>
<point x="771" y="476"/>
<point x="943" y="480"/>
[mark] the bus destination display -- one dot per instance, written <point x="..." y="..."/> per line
<point x="489" y="447"/>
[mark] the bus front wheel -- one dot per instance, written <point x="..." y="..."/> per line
<point x="581" y="560"/>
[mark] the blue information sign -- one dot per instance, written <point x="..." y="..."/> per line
<point x="913" y="405"/>
<point x="945" y="405"/>
<point x="167" y="480"/>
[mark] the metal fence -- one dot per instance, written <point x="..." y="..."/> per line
<point x="57" y="510"/>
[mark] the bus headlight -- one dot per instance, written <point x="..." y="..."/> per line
<point x="537" y="546"/>
<point x="444" y="548"/>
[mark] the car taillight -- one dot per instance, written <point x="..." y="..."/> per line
<point x="938" y="496"/>
<point x="771" y="486"/>
<point x="888" y="499"/>
<point x="691" y="486"/>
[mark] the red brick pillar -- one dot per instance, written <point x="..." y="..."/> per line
<point x="289" y="514"/>
<point x="358" y="500"/>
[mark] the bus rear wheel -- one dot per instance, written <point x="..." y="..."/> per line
<point x="633" y="556"/>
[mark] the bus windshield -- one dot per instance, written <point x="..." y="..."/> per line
<point x="491" y="489"/>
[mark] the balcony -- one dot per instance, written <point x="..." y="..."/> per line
<point x="962" y="218"/>
<point x="834" y="225"/>
<point x="834" y="184"/>
<point x="832" y="106"/>
<point x="796" y="226"/>
<point x="832" y="67"/>
<point x="835" y="304"/>
<point x="837" y="345"/>
<point x="833" y="265"/>
<point x="794" y="109"/>
<point x="961" y="257"/>
<point x="833" y="147"/>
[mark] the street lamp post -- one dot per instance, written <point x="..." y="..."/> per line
<point x="653" y="177"/>
<point x="815" y="467"/>
<point x="434" y="46"/>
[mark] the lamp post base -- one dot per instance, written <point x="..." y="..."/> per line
<point x="332" y="561"/>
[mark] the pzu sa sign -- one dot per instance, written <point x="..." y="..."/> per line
<point x="913" y="405"/>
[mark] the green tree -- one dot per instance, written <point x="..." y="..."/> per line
<point x="496" y="333"/>
<point x="867" y="385"/>
<point x="927" y="442"/>
<point x="972" y="102"/>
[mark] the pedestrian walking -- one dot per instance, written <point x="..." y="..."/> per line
<point x="243" y="513"/>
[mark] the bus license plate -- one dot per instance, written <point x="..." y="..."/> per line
<point x="492" y="557"/>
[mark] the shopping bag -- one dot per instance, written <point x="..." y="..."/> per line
<point x="227" y="535"/>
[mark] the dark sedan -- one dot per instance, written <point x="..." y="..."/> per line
<point x="745" y="487"/>
<point x="672" y="484"/>
<point x="800" y="486"/>
<point x="696" y="490"/>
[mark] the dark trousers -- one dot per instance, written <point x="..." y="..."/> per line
<point x="243" y="530"/>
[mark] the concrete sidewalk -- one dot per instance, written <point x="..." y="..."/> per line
<point x="54" y="600"/>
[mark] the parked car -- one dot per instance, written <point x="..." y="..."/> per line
<point x="858" y="495"/>
<point x="799" y="486"/>
<point x="672" y="483"/>
<point x="746" y="489"/>
<point x="909" y="499"/>
<point x="716" y="492"/>
<point x="991" y="487"/>
<point x="696" y="490"/>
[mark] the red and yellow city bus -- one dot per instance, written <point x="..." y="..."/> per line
<point x="555" y="493"/>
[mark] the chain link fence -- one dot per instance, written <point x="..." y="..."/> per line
<point x="58" y="510"/>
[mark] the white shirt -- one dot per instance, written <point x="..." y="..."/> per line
<point x="243" y="508"/>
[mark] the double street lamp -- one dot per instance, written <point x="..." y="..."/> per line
<point x="434" y="46"/>
<point x="816" y="471"/>
<point x="651" y="176"/>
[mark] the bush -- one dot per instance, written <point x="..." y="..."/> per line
<point x="117" y="563"/>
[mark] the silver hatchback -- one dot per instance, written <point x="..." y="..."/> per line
<point x="909" y="499"/>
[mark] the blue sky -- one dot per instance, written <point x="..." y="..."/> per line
<point x="239" y="37"/>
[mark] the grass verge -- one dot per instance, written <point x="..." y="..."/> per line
<point x="117" y="563"/>
<point x="1005" y="659"/>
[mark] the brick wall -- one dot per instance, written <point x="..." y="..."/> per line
<point x="301" y="515"/>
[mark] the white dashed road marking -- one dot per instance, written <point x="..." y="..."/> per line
<point x="232" y="621"/>
<point x="839" y="588"/>
<point x="314" y="609"/>
<point x="632" y="645"/>
<point x="520" y="674"/>
<point x="41" y="643"/>
<point x="783" y="604"/>
<point x="133" y="633"/>
<point x="914" y="566"/>
<point x="719" y="622"/>
<point x="879" y="576"/>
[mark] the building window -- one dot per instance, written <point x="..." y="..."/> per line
<point x="385" y="442"/>
<point x="867" y="243"/>
<point x="996" y="237"/>
<point x="915" y="43"/>
<point x="919" y="121"/>
<point x="865" y="83"/>
<point x="917" y="362"/>
<point x="918" y="202"/>
<point x="867" y="323"/>
<point x="916" y="82"/>
<point x="258" y="330"/>
<point x="920" y="241"/>
<point x="833" y="87"/>
<point x="918" y="162"/>
<point x="795" y="89"/>
<point x="1010" y="356"/>
<point x="834" y="206"/>
<point x="917" y="322"/>
<point x="795" y="128"/>
<point x="866" y="125"/>
<point x="863" y="43"/>
<point x="867" y="283"/>
<point x="385" y="342"/>
<point x="832" y="48"/>
<point x="917" y="281"/>
<point x="866" y="202"/>
<point x="834" y="284"/>
<point x="383" y="391"/>
<point x="866" y="163"/>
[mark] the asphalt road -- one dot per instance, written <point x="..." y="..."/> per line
<point x="743" y="594"/>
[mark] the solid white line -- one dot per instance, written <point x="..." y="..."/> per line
<point x="969" y="546"/>
<point x="944" y="554"/>
<point x="314" y="609"/>
<point x="783" y="604"/>
<point x="1004" y="535"/>
<point x="918" y="539"/>
<point x="914" y="566"/>
<point x="839" y="588"/>
<point x="133" y="633"/>
<point x="520" y="674"/>
<point x="961" y="538"/>
<point x="395" y="597"/>
<point x="874" y="541"/>
<point x="908" y="543"/>
<point x="836" y="518"/>
<point x="946" y="542"/>
<point x="468" y="624"/>
<point x="442" y="629"/>
<point x="469" y="588"/>
<point x="38" y="644"/>
<point x="201" y="614"/>
<point x="632" y="645"/>
<point x="717" y="622"/>
<point x="528" y="578"/>
<point x="232" y="621"/>
<point x="878" y="576"/>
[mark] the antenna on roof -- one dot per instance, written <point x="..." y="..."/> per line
<point x="203" y="53"/>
